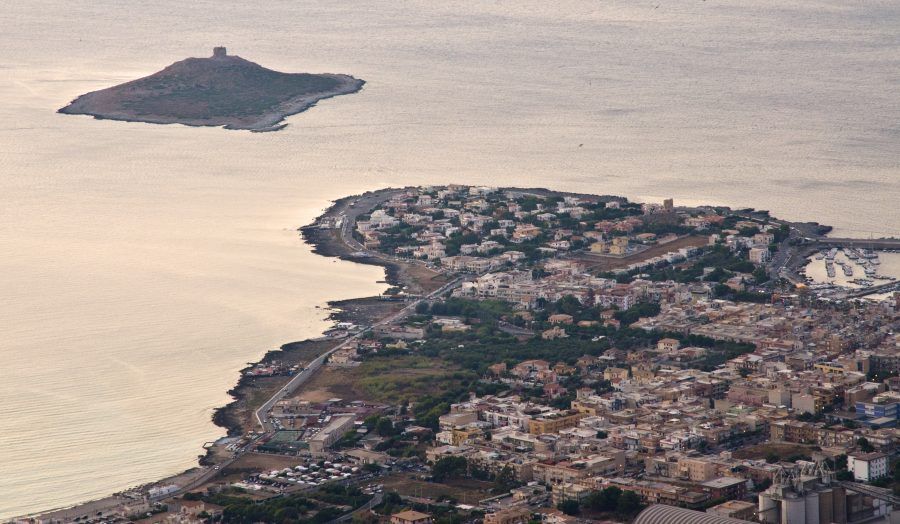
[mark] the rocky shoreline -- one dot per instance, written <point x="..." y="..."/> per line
<point x="221" y="91"/>
<point x="326" y="244"/>
<point x="236" y="417"/>
<point x="268" y="122"/>
<point x="233" y="416"/>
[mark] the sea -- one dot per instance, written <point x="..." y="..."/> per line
<point x="142" y="266"/>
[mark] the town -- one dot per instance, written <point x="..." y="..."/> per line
<point x="561" y="358"/>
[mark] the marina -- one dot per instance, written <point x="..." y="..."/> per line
<point x="863" y="272"/>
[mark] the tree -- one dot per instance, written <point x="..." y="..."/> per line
<point x="569" y="507"/>
<point x="605" y="500"/>
<point x="568" y="305"/>
<point x="721" y="290"/>
<point x="840" y="462"/>
<point x="384" y="427"/>
<point x="448" y="467"/>
<point x="505" y="480"/>
<point x="760" y="275"/>
<point x="365" y="518"/>
<point x="637" y="311"/>
<point x="285" y="514"/>
<point x="629" y="503"/>
<point x="864" y="445"/>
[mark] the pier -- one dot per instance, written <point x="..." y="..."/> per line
<point x="874" y="290"/>
<point x="868" y="243"/>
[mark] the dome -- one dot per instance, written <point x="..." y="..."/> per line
<point x="662" y="514"/>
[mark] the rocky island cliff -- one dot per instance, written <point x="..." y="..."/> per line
<point x="221" y="90"/>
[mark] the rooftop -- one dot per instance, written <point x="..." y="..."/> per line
<point x="723" y="482"/>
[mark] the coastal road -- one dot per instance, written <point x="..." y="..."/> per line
<point x="262" y="414"/>
<point x="363" y="205"/>
<point x="349" y="211"/>
<point x="792" y="251"/>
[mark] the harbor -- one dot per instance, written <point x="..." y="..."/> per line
<point x="852" y="272"/>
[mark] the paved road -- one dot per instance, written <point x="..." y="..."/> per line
<point x="376" y="500"/>
<point x="511" y="329"/>
<point x="349" y="214"/>
<point x="362" y="206"/>
<point x="365" y="204"/>
<point x="315" y="365"/>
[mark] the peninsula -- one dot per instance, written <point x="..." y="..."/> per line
<point x="544" y="353"/>
<point x="221" y="90"/>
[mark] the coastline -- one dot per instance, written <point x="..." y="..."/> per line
<point x="327" y="243"/>
<point x="272" y="120"/>
<point x="236" y="417"/>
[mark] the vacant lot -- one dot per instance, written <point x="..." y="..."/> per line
<point x="260" y="462"/>
<point x="603" y="263"/>
<point x="389" y="380"/>
<point x="420" y="279"/>
<point x="328" y="383"/>
<point x="782" y="450"/>
<point x="467" y="491"/>
<point x="406" y="378"/>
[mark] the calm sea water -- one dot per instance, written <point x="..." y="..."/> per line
<point x="141" y="266"/>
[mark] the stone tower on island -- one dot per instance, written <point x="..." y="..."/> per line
<point x="219" y="52"/>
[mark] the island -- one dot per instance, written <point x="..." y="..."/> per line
<point x="221" y="90"/>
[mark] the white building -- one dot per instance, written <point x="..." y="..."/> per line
<point x="431" y="252"/>
<point x="867" y="466"/>
<point x="759" y="255"/>
<point x="331" y="433"/>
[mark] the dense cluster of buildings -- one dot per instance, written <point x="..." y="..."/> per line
<point x="671" y="418"/>
<point x="495" y="225"/>
<point x="669" y="432"/>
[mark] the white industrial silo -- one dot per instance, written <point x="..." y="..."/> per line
<point x="826" y="505"/>
<point x="793" y="510"/>
<point x="769" y="511"/>
<point x="812" y="507"/>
